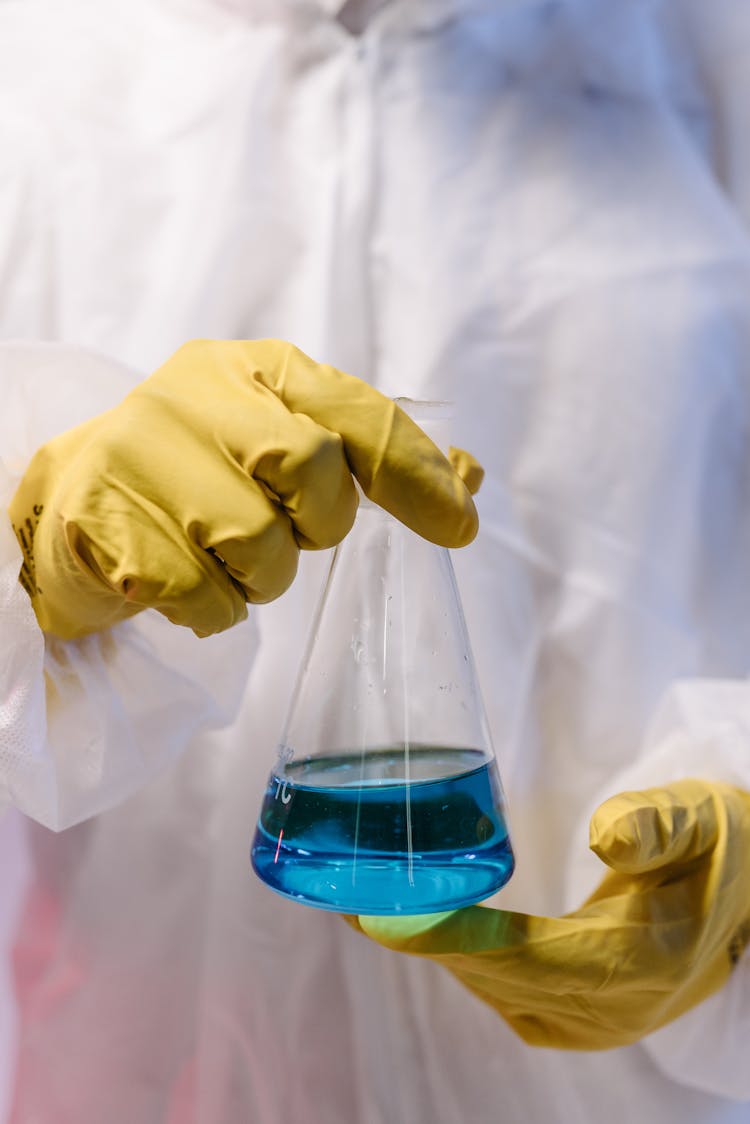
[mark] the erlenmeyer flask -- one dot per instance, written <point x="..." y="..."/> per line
<point x="385" y="797"/>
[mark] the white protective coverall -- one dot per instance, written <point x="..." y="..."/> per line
<point x="535" y="208"/>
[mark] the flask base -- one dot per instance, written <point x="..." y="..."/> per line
<point x="389" y="887"/>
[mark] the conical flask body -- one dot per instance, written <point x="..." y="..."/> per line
<point x="385" y="797"/>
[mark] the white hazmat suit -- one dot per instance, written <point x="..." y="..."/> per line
<point x="538" y="210"/>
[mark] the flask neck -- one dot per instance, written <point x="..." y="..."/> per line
<point x="435" y="418"/>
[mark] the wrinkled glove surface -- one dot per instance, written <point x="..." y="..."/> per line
<point x="661" y="932"/>
<point x="195" y="494"/>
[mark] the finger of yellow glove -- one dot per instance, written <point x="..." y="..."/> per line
<point x="195" y="569"/>
<point x="396" y="464"/>
<point x="202" y="595"/>
<point x="466" y="931"/>
<point x="635" y="832"/>
<point x="410" y="933"/>
<point x="548" y="971"/>
<point x="526" y="954"/>
<point x="467" y="467"/>
<point x="316" y="490"/>
<point x="301" y="464"/>
<point x="186" y="585"/>
<point x="252" y="537"/>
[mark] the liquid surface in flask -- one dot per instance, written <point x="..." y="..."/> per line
<point x="353" y="833"/>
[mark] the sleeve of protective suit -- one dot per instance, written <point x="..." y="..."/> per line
<point x="700" y="729"/>
<point x="84" y="723"/>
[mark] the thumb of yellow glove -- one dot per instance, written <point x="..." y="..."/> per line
<point x="635" y="832"/>
<point x="195" y="494"/>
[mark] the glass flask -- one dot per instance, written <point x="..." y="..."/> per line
<point x="385" y="797"/>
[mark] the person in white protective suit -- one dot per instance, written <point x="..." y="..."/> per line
<point x="537" y="210"/>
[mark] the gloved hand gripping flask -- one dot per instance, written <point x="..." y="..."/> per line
<point x="385" y="797"/>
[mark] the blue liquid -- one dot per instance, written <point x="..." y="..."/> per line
<point x="347" y="833"/>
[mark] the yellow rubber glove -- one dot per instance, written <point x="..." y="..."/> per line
<point x="195" y="494"/>
<point x="662" y="931"/>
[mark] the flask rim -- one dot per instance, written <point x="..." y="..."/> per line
<point x="425" y="409"/>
